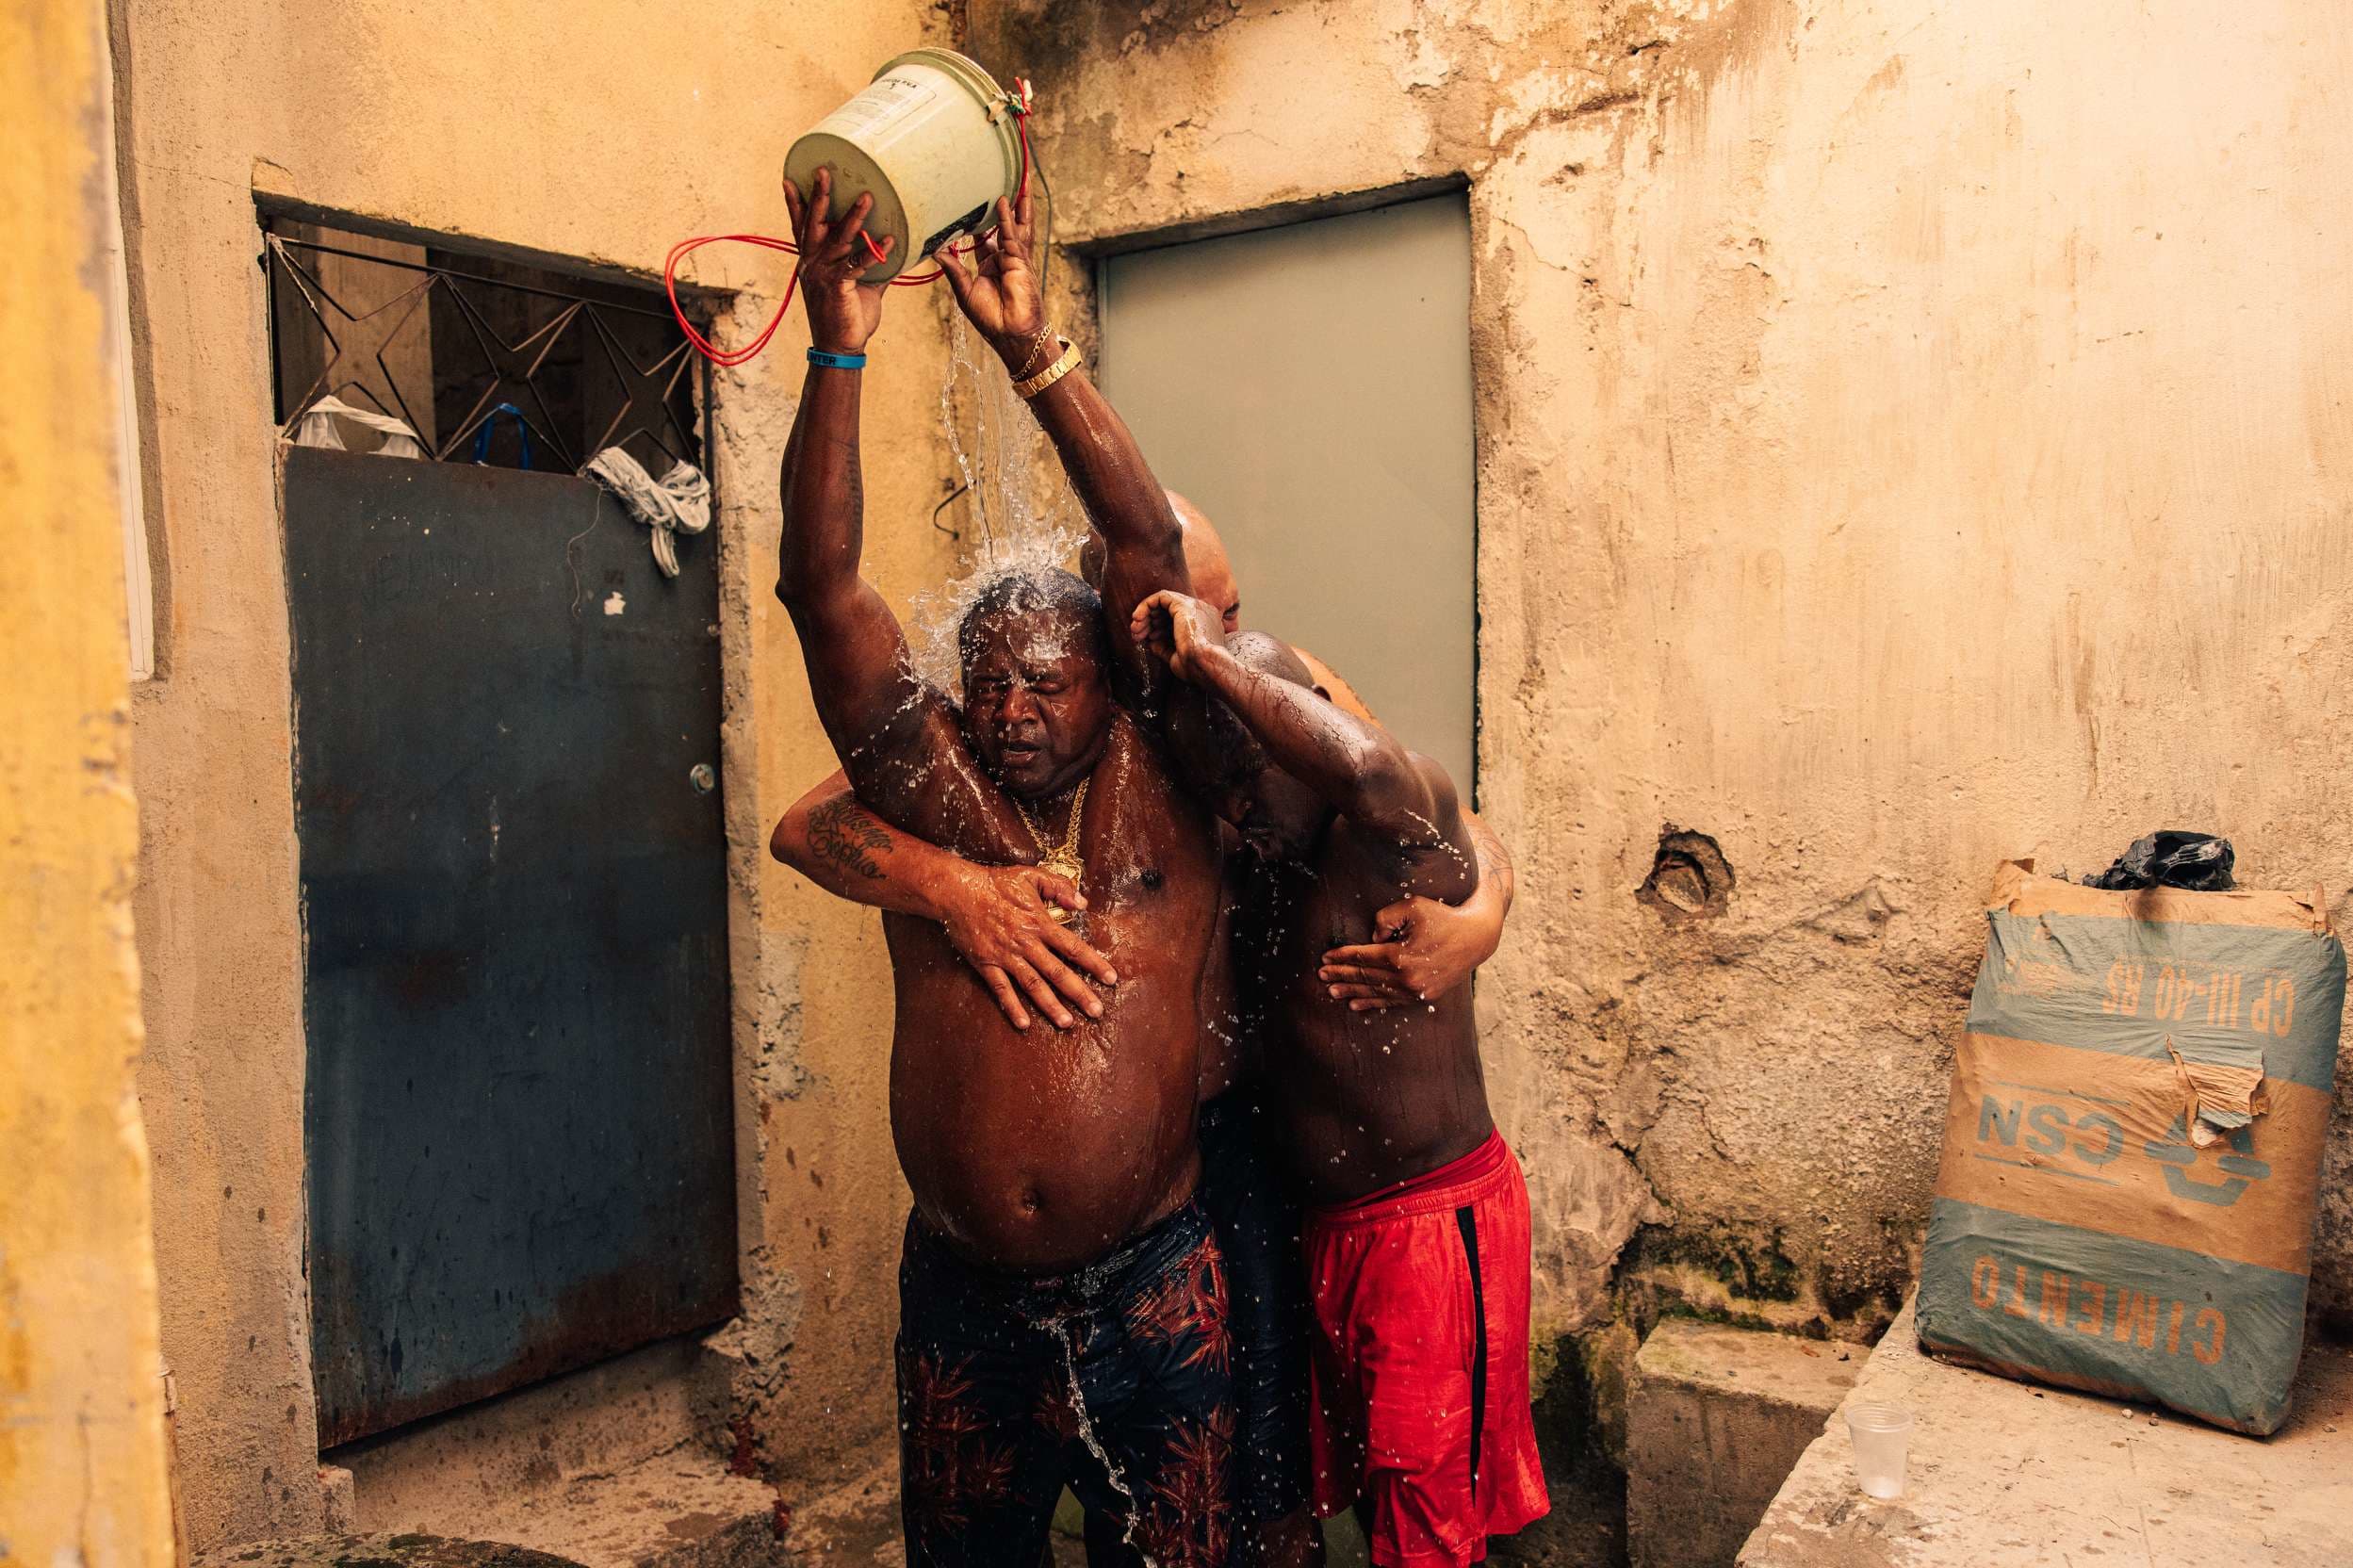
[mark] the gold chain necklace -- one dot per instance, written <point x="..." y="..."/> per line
<point x="1062" y="858"/>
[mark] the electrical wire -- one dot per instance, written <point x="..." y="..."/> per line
<point x="1017" y="101"/>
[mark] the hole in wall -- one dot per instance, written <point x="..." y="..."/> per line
<point x="1690" y="878"/>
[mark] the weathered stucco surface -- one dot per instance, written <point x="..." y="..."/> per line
<point x="83" y="1476"/>
<point x="601" y="134"/>
<point x="1909" y="435"/>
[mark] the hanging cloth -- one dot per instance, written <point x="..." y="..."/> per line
<point x="330" y="423"/>
<point x="679" y="503"/>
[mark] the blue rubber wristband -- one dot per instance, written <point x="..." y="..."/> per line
<point x="837" y="362"/>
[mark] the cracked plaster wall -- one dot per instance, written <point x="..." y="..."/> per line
<point x="1909" y="435"/>
<point x="589" y="134"/>
<point x="1812" y="344"/>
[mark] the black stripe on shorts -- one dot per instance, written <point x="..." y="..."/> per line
<point x="1468" y="1224"/>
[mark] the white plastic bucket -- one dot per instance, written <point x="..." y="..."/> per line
<point x="932" y="138"/>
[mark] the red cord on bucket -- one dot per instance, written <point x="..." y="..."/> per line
<point x="1019" y="100"/>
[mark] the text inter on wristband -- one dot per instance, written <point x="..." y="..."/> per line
<point x="837" y="362"/>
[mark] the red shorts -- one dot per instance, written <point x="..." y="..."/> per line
<point x="1420" y="1371"/>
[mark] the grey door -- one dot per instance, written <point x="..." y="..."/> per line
<point x="513" y="892"/>
<point x="1309" y="387"/>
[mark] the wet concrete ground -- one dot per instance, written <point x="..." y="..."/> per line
<point x="859" y="1528"/>
<point x="1586" y="1528"/>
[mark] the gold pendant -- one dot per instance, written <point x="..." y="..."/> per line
<point x="1065" y="865"/>
<point x="1063" y="859"/>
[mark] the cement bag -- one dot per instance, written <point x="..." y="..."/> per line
<point x="2133" y="1145"/>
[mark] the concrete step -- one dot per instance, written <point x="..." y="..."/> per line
<point x="617" y="1466"/>
<point x="2007" y="1474"/>
<point x="1716" y="1418"/>
<point x="680" y="1510"/>
<point x="437" y="1476"/>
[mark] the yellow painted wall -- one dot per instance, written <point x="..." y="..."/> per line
<point x="82" y="1466"/>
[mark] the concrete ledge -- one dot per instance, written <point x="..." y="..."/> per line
<point x="2007" y="1474"/>
<point x="681" y="1510"/>
<point x="446" y="1475"/>
<point x="1715" y="1418"/>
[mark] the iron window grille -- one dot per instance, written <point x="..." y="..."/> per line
<point x="487" y="359"/>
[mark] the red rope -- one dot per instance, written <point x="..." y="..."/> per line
<point x="684" y="247"/>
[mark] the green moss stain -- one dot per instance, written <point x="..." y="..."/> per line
<point x="1739" y="1277"/>
<point x="1754" y="1267"/>
<point x="1580" y="1397"/>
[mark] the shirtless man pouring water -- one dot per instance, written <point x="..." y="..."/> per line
<point x="1062" y="1298"/>
<point x="1000" y="919"/>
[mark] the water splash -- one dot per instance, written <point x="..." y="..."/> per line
<point x="1133" y="1512"/>
<point x="1025" y="520"/>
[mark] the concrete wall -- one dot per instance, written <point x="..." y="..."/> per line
<point x="1910" y="434"/>
<point x="595" y="133"/>
<point x="83" y="1478"/>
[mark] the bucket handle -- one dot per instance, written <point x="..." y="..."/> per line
<point x="1016" y="101"/>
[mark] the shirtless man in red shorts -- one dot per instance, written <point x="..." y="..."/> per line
<point x="1417" y="1234"/>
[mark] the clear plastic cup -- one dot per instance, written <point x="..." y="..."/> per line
<point x="1881" y="1433"/>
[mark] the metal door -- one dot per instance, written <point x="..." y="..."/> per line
<point x="514" y="895"/>
<point x="1309" y="387"/>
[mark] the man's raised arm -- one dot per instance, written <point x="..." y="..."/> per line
<point x="1386" y="792"/>
<point x="997" y="289"/>
<point x="855" y="652"/>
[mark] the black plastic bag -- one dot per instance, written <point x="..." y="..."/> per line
<point x="2199" y="862"/>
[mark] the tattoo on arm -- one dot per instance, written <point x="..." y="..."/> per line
<point x="856" y="482"/>
<point x="843" y="832"/>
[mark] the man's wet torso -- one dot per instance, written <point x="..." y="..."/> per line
<point x="1373" y="1097"/>
<point x="1041" y="1150"/>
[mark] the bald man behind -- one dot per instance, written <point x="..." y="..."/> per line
<point x="1417" y="1245"/>
<point x="1424" y="948"/>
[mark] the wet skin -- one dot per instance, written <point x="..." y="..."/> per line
<point x="1344" y="822"/>
<point x="1030" y="1153"/>
<point x="1041" y="1150"/>
<point x="1037" y="701"/>
<point x="1370" y="1099"/>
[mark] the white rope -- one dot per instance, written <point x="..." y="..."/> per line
<point x="681" y="503"/>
